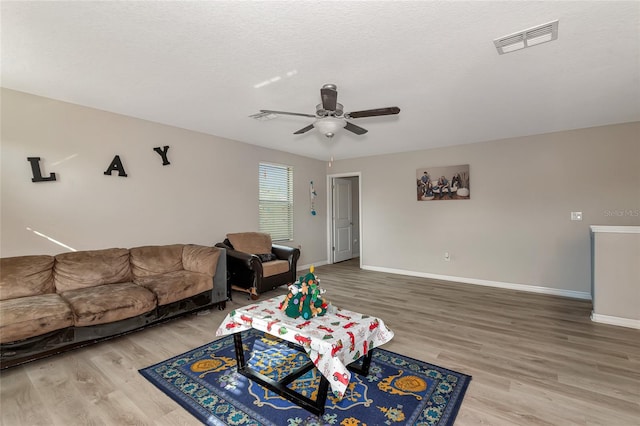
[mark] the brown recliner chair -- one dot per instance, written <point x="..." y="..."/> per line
<point x="255" y="265"/>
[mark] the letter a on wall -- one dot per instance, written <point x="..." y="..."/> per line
<point x="116" y="165"/>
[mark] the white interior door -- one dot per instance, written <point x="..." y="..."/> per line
<point x="342" y="220"/>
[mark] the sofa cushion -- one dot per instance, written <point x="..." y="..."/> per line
<point x="178" y="285"/>
<point x="200" y="259"/>
<point x="274" y="267"/>
<point x="91" y="268"/>
<point x="31" y="316"/>
<point x="108" y="303"/>
<point x="154" y="260"/>
<point x="26" y="276"/>
<point x="251" y="242"/>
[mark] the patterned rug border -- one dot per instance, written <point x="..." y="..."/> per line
<point x="201" y="413"/>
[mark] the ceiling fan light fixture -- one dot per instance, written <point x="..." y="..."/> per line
<point x="330" y="116"/>
<point x="329" y="126"/>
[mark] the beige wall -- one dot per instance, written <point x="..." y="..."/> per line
<point x="616" y="275"/>
<point x="516" y="229"/>
<point x="209" y="189"/>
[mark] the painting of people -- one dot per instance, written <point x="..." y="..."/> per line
<point x="443" y="183"/>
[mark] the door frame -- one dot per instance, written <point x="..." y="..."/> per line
<point x="330" y="258"/>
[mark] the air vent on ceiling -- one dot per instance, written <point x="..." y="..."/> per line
<point x="527" y="38"/>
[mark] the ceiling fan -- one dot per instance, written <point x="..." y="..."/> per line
<point x="330" y="116"/>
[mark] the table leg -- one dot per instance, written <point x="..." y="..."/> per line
<point x="321" y="399"/>
<point x="280" y="387"/>
<point x="237" y="341"/>
<point x="363" y="370"/>
<point x="366" y="363"/>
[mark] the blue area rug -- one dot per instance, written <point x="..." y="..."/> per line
<point x="398" y="390"/>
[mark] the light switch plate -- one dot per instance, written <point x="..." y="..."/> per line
<point x="576" y="215"/>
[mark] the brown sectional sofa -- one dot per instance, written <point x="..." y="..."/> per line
<point x="52" y="303"/>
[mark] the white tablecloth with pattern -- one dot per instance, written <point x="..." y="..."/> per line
<point x="332" y="341"/>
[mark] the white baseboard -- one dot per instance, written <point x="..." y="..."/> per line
<point x="622" y="322"/>
<point x="520" y="287"/>
<point x="315" y="264"/>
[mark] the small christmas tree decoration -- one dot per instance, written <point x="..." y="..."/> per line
<point x="304" y="298"/>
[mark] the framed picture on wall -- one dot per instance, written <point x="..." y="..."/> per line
<point x="443" y="183"/>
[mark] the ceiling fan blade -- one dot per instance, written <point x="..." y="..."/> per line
<point x="355" y="129"/>
<point x="329" y="98"/>
<point x="268" y="111"/>
<point x="373" y="112"/>
<point x="304" y="130"/>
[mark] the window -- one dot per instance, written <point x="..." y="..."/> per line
<point x="276" y="201"/>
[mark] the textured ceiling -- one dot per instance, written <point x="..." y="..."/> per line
<point x="204" y="66"/>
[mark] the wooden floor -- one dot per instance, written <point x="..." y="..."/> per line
<point x="535" y="359"/>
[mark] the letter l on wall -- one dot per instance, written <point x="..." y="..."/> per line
<point x="37" y="173"/>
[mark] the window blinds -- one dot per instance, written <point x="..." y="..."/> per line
<point x="276" y="201"/>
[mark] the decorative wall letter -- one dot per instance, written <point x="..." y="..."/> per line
<point x="37" y="174"/>
<point x="163" y="153"/>
<point x="116" y="164"/>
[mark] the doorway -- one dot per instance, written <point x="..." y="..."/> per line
<point x="343" y="228"/>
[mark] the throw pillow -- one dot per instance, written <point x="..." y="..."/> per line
<point x="251" y="242"/>
<point x="266" y="257"/>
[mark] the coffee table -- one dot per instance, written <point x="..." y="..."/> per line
<point x="333" y="342"/>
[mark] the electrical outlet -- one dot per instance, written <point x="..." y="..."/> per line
<point x="447" y="256"/>
<point x="576" y="215"/>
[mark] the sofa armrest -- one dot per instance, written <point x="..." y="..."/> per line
<point x="291" y="254"/>
<point x="220" y="288"/>
<point x="246" y="260"/>
<point x="202" y="259"/>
